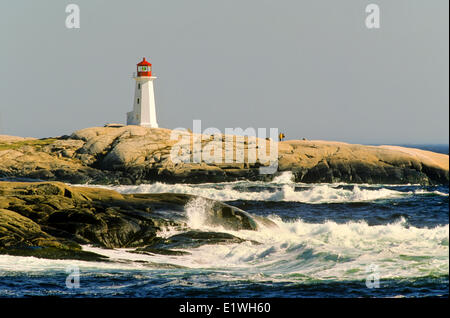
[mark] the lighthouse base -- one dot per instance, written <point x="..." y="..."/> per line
<point x="132" y="119"/>
<point x="149" y="125"/>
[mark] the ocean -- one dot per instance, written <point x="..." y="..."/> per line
<point x="330" y="240"/>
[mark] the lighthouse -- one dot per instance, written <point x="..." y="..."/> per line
<point x="144" y="110"/>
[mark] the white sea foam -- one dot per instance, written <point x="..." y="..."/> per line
<point x="290" y="251"/>
<point x="10" y="264"/>
<point x="299" y="250"/>
<point x="341" y="251"/>
<point x="436" y="192"/>
<point x="282" y="188"/>
<point x="287" y="177"/>
<point x="196" y="212"/>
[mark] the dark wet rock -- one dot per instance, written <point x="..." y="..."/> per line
<point x="192" y="239"/>
<point x="21" y="236"/>
<point x="157" y="265"/>
<point x="54" y="253"/>
<point x="161" y="251"/>
<point x="231" y="218"/>
<point x="218" y="213"/>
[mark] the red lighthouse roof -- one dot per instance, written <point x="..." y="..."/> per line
<point x="144" y="62"/>
<point x="144" y="68"/>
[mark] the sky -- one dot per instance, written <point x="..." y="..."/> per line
<point x="310" y="68"/>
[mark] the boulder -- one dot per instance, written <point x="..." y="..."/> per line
<point x="134" y="154"/>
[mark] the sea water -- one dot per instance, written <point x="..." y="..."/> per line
<point x="330" y="240"/>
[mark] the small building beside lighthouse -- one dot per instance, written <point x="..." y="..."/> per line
<point x="144" y="109"/>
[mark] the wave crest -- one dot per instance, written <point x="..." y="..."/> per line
<point x="315" y="194"/>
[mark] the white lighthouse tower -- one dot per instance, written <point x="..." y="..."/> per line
<point x="144" y="110"/>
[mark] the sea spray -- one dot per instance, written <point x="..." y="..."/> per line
<point x="294" y="251"/>
<point x="201" y="212"/>
<point x="286" y="177"/>
<point x="302" y="251"/>
<point x="196" y="212"/>
<point x="436" y="192"/>
<point x="276" y="192"/>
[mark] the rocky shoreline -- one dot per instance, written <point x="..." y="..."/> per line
<point x="135" y="155"/>
<point x="52" y="220"/>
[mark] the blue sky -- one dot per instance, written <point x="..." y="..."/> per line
<point x="309" y="68"/>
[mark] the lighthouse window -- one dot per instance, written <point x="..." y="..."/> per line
<point x="144" y="68"/>
<point x="139" y="86"/>
<point x="138" y="100"/>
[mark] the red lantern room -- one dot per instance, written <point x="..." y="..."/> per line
<point x="144" y="68"/>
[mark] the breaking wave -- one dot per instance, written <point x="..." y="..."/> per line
<point x="291" y="251"/>
<point x="298" y="250"/>
<point x="282" y="188"/>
